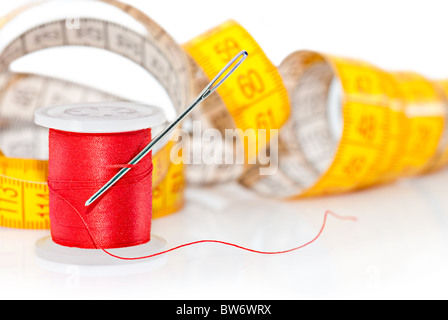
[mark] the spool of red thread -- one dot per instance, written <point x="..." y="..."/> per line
<point x="88" y="144"/>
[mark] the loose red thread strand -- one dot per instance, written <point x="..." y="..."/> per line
<point x="328" y="212"/>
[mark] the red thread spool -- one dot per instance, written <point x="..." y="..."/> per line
<point x="79" y="165"/>
<point x="88" y="144"/>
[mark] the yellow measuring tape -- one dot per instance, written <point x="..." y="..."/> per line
<point x="353" y="125"/>
<point x="255" y="98"/>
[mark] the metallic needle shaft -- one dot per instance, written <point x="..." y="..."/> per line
<point x="208" y="90"/>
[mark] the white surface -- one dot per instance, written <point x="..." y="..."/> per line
<point x="397" y="249"/>
<point x="100" y="117"/>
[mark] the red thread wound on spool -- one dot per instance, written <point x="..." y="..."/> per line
<point x="80" y="164"/>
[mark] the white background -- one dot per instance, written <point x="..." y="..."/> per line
<point x="397" y="249"/>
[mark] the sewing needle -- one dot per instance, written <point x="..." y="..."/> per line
<point x="208" y="90"/>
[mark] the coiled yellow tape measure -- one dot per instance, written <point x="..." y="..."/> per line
<point x="353" y="125"/>
<point x="345" y="124"/>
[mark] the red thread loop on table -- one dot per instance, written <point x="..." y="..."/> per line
<point x="80" y="164"/>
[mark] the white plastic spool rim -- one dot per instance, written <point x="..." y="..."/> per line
<point x="100" y="117"/>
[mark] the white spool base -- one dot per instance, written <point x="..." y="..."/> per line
<point x="47" y="250"/>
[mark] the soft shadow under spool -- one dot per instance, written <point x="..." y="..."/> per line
<point x="94" y="118"/>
